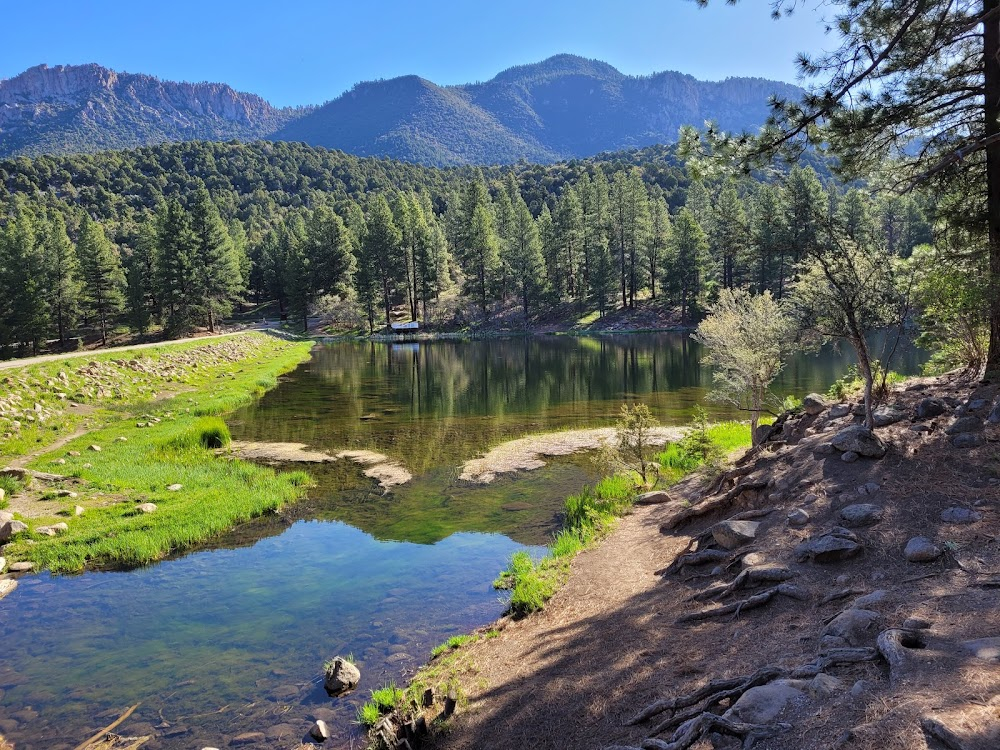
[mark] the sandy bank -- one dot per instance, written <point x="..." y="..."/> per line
<point x="380" y="467"/>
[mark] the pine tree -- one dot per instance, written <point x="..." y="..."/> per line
<point x="659" y="238"/>
<point x="63" y="283"/>
<point x="689" y="250"/>
<point x="380" y="250"/>
<point x="22" y="265"/>
<point x="140" y="276"/>
<point x="729" y="233"/>
<point x="524" y="256"/>
<point x="568" y="245"/>
<point x="176" y="281"/>
<point x="768" y="233"/>
<point x="104" y="278"/>
<point x="483" y="255"/>
<point x="216" y="267"/>
<point x="329" y="250"/>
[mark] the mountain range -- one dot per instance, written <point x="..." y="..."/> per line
<point x="561" y="108"/>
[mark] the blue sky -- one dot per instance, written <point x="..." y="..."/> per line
<point x="307" y="52"/>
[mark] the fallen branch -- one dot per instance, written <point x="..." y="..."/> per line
<point x="757" y="600"/>
<point x="108" y="728"/>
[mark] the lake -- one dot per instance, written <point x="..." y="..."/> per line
<point x="230" y="637"/>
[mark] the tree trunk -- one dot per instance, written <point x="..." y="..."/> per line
<point x="991" y="83"/>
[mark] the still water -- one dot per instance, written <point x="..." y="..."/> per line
<point x="231" y="637"/>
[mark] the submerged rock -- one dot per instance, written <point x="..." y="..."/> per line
<point x="6" y="586"/>
<point x="320" y="731"/>
<point x="340" y="677"/>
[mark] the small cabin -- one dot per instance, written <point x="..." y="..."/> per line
<point x="412" y="325"/>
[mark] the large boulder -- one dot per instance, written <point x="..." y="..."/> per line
<point x="887" y="415"/>
<point x="653" y="498"/>
<point x="859" y="439"/>
<point x="340" y="677"/>
<point x="733" y="534"/>
<point x="840" y="410"/>
<point x="959" y="515"/>
<point x="994" y="417"/>
<point x="814" y="404"/>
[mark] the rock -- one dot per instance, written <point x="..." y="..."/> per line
<point x="319" y="731"/>
<point x="976" y="405"/>
<point x="733" y="534"/>
<point x="3" y="564"/>
<point x="849" y="457"/>
<point x="754" y="559"/>
<point x="66" y="493"/>
<point x="931" y="407"/>
<point x="921" y="428"/>
<point x="916" y="623"/>
<point x="60" y="462"/>
<point x="73" y="453"/>
<point x="824" y="449"/>
<point x="870" y="600"/>
<point x="6" y="586"/>
<point x="884" y="416"/>
<point x="968" y="440"/>
<point x="859" y="689"/>
<point x="825" y="686"/>
<point x="814" y="404"/>
<point x="994" y="417"/>
<point x="340" y="677"/>
<point x="60" y="527"/>
<point x="858" y="409"/>
<point x="5" y="516"/>
<point x="22" y="567"/>
<point x="869" y="488"/>
<point x="852" y="627"/>
<point x="95" y="448"/>
<point x="78" y="510"/>
<point x="9" y="529"/>
<point x="859" y="439"/>
<point x="146" y="507"/>
<point x="921" y="549"/>
<point x="958" y="515"/>
<point x="860" y="514"/>
<point x="840" y="410"/>
<point x="175" y="487"/>
<point x="798" y="517"/>
<point x="765" y="703"/>
<point x="45" y="530"/>
<point x="16" y="472"/>
<point x="121" y="439"/>
<point x="653" y="498"/>
<point x="985" y="649"/>
<point x="247" y="738"/>
<point x="963" y="425"/>
<point x="833" y="546"/>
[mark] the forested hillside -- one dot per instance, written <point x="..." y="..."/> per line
<point x="174" y="236"/>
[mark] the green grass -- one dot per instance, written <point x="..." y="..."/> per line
<point x="384" y="700"/>
<point x="10" y="487"/>
<point x="368" y="714"/>
<point x="456" y="641"/>
<point x="216" y="493"/>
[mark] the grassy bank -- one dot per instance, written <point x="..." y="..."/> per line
<point x="149" y="445"/>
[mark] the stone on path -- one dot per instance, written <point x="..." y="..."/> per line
<point x="852" y="627"/>
<point x="968" y="440"/>
<point x="653" y="498"/>
<point x="733" y="534"/>
<point x="860" y="514"/>
<point x="884" y="416"/>
<point x="859" y="439"/>
<point x="146" y="508"/>
<point x="931" y="407"/>
<point x="832" y="546"/>
<point x="963" y="425"/>
<point x="959" y="515"/>
<point x="921" y="549"/>
<point x="869" y="488"/>
<point x="840" y="410"/>
<point x="798" y="517"/>
<point x="765" y="703"/>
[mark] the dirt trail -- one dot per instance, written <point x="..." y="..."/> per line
<point x="15" y="363"/>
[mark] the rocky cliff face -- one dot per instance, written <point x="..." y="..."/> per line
<point x="88" y="108"/>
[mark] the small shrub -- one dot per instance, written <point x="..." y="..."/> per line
<point x="387" y="697"/>
<point x="791" y="404"/>
<point x="210" y="433"/>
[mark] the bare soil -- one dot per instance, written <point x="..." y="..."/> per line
<point x="609" y="643"/>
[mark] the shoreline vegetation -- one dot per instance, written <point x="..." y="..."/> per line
<point x="588" y="518"/>
<point x="125" y="446"/>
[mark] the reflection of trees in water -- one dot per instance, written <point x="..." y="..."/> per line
<point x="436" y="402"/>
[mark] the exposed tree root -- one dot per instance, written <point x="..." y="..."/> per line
<point x="716" y="504"/>
<point x="894" y="645"/>
<point x="693" y="730"/>
<point x="749" y="577"/>
<point x="757" y="600"/>
<point x="729" y="476"/>
<point x="842" y="594"/>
